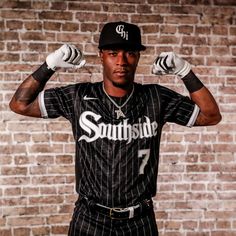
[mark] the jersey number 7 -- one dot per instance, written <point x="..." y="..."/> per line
<point x="144" y="154"/>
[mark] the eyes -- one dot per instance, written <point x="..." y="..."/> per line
<point x="114" y="53"/>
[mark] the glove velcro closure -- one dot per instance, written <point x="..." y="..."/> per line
<point x="185" y="70"/>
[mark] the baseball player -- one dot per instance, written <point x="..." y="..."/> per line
<point x="117" y="126"/>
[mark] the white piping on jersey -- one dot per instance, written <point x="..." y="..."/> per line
<point x="121" y="131"/>
<point x="42" y="107"/>
<point x="44" y="113"/>
<point x="194" y="116"/>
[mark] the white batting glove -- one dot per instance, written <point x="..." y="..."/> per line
<point x="170" y="63"/>
<point x="67" y="56"/>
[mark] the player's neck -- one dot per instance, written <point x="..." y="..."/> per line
<point x="116" y="90"/>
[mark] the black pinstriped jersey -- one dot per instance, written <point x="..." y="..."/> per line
<point x="117" y="159"/>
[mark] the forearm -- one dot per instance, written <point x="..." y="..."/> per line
<point x="209" y="110"/>
<point x="24" y="101"/>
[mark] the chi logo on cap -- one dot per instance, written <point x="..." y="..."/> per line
<point x="121" y="32"/>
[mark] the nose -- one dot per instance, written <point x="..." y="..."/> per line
<point x="121" y="59"/>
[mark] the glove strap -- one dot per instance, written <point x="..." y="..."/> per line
<point x="43" y="73"/>
<point x="192" y="83"/>
<point x="185" y="70"/>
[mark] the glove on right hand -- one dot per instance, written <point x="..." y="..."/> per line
<point x="67" y="56"/>
<point x="170" y="63"/>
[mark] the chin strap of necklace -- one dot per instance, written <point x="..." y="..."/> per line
<point x="119" y="112"/>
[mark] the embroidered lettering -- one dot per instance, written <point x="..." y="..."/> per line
<point x="89" y="122"/>
<point x="120" y="30"/>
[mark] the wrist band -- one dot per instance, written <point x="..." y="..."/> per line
<point x="192" y="82"/>
<point x="43" y="73"/>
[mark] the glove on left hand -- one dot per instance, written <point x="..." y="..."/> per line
<point x="170" y="63"/>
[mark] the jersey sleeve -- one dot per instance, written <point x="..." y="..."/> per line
<point x="177" y="108"/>
<point x="57" y="102"/>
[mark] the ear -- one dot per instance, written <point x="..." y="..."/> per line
<point x="100" y="55"/>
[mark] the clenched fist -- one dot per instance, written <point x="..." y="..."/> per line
<point x="170" y="63"/>
<point x="67" y="56"/>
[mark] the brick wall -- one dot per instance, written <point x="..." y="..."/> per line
<point x="197" y="178"/>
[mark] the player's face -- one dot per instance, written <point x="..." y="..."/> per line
<point x="119" y="66"/>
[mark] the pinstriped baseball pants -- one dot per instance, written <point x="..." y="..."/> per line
<point x="89" y="223"/>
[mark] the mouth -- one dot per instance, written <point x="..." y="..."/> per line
<point x="121" y="73"/>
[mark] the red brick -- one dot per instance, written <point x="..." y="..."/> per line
<point x="14" y="170"/>
<point x="223" y="225"/>
<point x="220" y="51"/>
<point x="98" y="17"/>
<point x="220" y="30"/>
<point x="18" y="14"/>
<point x="6" y="232"/>
<point x="70" y="27"/>
<point x="62" y="218"/>
<point x="33" y="25"/>
<point x="194" y="40"/>
<point x="144" y="8"/>
<point x="223" y="2"/>
<point x="55" y="15"/>
<point x="37" y="36"/>
<point x="12" y="191"/>
<point x="83" y="6"/>
<point x="14" y="24"/>
<point x="202" y="50"/>
<point x="55" y="26"/>
<point x="16" y="4"/>
<point x="185" y="29"/>
<point x="185" y="214"/>
<point x="46" y="200"/>
<point x="220" y="233"/>
<point x="147" y="18"/>
<point x="58" y="5"/>
<point x="21" y="160"/>
<point x="48" y="180"/>
<point x="89" y="27"/>
<point x="22" y="221"/>
<point x="9" y="57"/>
<point x="190" y="225"/>
<point x="203" y="30"/>
<point x="166" y="29"/>
<point x="232" y="30"/>
<point x="60" y="230"/>
<point x="44" y="230"/>
<point x="172" y="19"/>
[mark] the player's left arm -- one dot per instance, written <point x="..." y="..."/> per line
<point x="170" y="63"/>
<point x="209" y="111"/>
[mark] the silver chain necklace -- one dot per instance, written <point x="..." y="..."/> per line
<point x="119" y="112"/>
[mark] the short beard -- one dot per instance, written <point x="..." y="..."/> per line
<point x="121" y="85"/>
<point x="125" y="84"/>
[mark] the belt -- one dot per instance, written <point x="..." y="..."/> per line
<point x="123" y="213"/>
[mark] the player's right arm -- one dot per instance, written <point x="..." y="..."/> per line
<point x="25" y="99"/>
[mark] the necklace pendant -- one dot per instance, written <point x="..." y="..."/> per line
<point x="119" y="114"/>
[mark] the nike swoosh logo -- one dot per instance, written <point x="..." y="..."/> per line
<point x="86" y="98"/>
